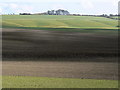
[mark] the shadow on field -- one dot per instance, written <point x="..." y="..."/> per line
<point x="20" y="44"/>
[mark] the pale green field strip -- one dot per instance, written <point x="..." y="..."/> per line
<point x="116" y="17"/>
<point x="45" y="82"/>
<point x="49" y="21"/>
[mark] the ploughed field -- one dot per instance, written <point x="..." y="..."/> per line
<point x="47" y="53"/>
<point x="61" y="69"/>
<point x="35" y="44"/>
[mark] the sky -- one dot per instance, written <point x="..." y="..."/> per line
<point x="73" y="6"/>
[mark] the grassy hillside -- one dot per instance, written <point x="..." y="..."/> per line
<point x="45" y="21"/>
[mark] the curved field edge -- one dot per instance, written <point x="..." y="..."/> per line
<point x="81" y="30"/>
<point x="45" y="82"/>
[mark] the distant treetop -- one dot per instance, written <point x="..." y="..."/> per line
<point x="58" y="12"/>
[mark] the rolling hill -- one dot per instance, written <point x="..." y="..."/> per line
<point x="49" y="21"/>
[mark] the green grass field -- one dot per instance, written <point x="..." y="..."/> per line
<point x="44" y="82"/>
<point x="46" y="21"/>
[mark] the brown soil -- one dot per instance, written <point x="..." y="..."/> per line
<point x="89" y="70"/>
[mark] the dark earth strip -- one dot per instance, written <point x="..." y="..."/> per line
<point x="37" y="44"/>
